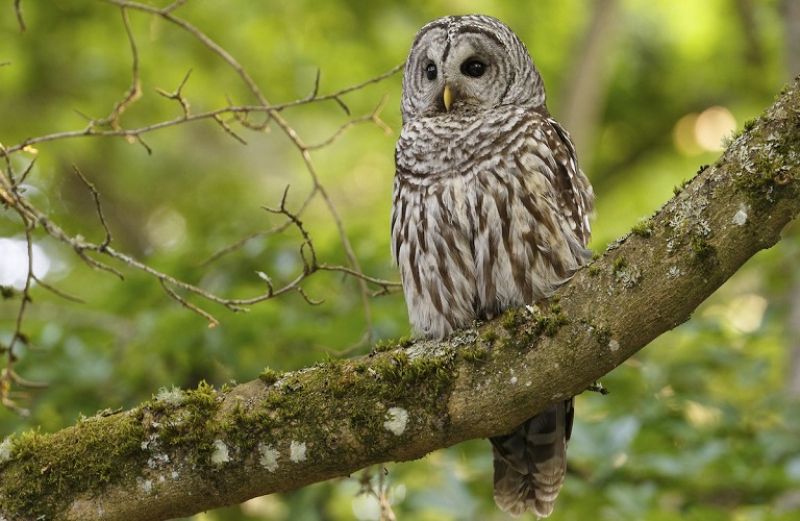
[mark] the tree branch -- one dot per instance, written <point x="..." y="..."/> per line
<point x="187" y="451"/>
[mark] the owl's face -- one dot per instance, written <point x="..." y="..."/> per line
<point x="462" y="63"/>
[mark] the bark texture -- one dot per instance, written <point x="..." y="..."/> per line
<point x="188" y="451"/>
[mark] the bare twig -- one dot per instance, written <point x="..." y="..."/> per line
<point x="212" y="322"/>
<point x="56" y="291"/>
<point x="18" y="12"/>
<point x="308" y="266"/>
<point x="229" y="130"/>
<point x="379" y="491"/>
<point x="134" y="92"/>
<point x="27" y="171"/>
<point x="97" y="206"/>
<point x="275" y="229"/>
<point x="7" y="375"/>
<point x="177" y="94"/>
<point x="372" y="117"/>
<point x="174" y="5"/>
<point x="92" y="131"/>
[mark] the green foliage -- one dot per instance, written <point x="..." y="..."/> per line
<point x="698" y="426"/>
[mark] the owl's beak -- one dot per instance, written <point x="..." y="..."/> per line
<point x="447" y="97"/>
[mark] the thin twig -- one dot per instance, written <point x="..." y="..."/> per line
<point x="92" y="131"/>
<point x="134" y="92"/>
<point x="18" y="12"/>
<point x="56" y="291"/>
<point x="212" y="322"/>
<point x="177" y="95"/>
<point x="27" y="171"/>
<point x="7" y="375"/>
<point x="98" y="207"/>
<point x="229" y="130"/>
<point x="372" y="117"/>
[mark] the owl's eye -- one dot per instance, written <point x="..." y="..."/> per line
<point x="473" y="68"/>
<point x="430" y="71"/>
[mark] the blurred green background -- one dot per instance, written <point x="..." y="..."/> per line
<point x="702" y="425"/>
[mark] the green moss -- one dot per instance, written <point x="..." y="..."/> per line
<point x="594" y="269"/>
<point x="49" y="470"/>
<point x="550" y="322"/>
<point x="512" y="319"/>
<point x="269" y="376"/>
<point x="191" y="426"/>
<point x="382" y="380"/>
<point x="619" y="264"/>
<point x="383" y="346"/>
<point x="701" y="248"/>
<point x="489" y="336"/>
<point x="474" y="354"/>
<point x="749" y="124"/>
<point x="643" y="228"/>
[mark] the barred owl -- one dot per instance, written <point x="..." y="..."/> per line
<point x="490" y="211"/>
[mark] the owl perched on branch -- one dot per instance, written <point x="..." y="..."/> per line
<point x="490" y="211"/>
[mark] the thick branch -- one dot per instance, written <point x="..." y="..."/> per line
<point x="187" y="451"/>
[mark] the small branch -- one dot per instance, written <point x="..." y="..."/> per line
<point x="174" y="5"/>
<point x="177" y="95"/>
<point x="387" y="285"/>
<point x="7" y="376"/>
<point x="58" y="292"/>
<point x="229" y="130"/>
<point x="97" y="206"/>
<point x="275" y="229"/>
<point x="92" y="131"/>
<point x="18" y="13"/>
<point x="372" y="117"/>
<point x="212" y="322"/>
<point x="281" y="210"/>
<point x="134" y="92"/>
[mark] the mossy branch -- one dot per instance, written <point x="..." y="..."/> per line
<point x="187" y="451"/>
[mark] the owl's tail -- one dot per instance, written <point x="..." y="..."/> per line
<point x="530" y="463"/>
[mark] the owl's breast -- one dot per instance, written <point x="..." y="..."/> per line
<point x="450" y="145"/>
<point x="477" y="221"/>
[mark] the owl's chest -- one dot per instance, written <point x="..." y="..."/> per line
<point x="451" y="147"/>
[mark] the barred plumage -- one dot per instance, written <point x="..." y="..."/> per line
<point x="490" y="211"/>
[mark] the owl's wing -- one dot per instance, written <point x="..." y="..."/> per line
<point x="574" y="193"/>
<point x="530" y="462"/>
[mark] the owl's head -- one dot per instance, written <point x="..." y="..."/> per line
<point x="472" y="62"/>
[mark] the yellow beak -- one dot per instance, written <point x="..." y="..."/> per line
<point x="447" y="96"/>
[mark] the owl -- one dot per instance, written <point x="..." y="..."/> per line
<point x="490" y="211"/>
